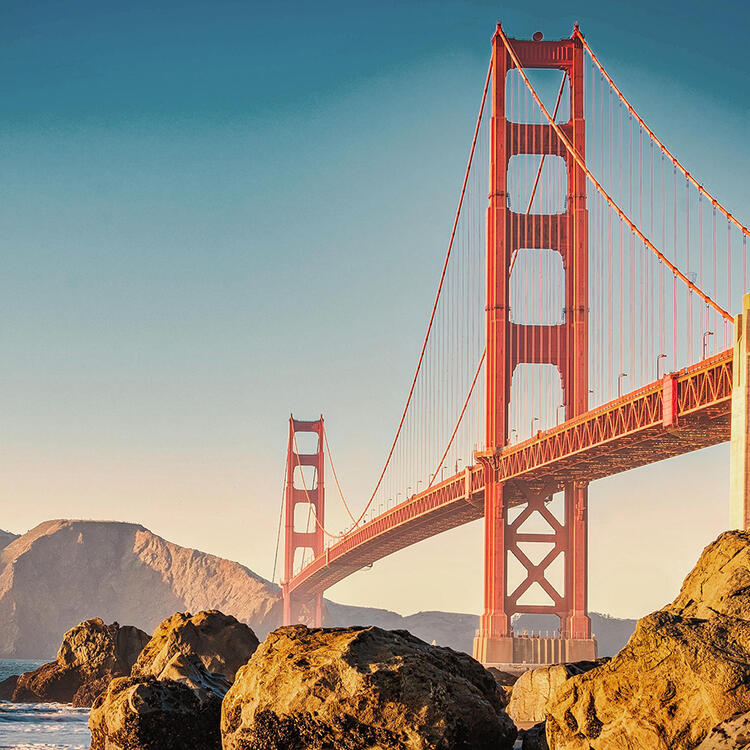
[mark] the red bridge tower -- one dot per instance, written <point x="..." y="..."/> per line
<point x="509" y="344"/>
<point x="311" y="494"/>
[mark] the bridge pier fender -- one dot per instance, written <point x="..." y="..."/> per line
<point x="739" y="462"/>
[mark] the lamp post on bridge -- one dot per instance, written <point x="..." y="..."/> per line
<point x="619" y="383"/>
<point x="658" y="361"/>
<point x="562" y="406"/>
<point x="534" y="419"/>
<point x="706" y="334"/>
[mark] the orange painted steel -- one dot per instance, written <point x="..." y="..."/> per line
<point x="625" y="434"/>
<point x="314" y="499"/>
<point x="511" y="343"/>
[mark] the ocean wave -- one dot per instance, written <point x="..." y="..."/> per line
<point x="38" y="712"/>
<point x="43" y="726"/>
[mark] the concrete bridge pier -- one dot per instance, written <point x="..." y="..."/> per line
<point x="739" y="461"/>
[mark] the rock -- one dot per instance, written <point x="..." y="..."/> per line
<point x="221" y="642"/>
<point x="534" y="688"/>
<point x="356" y="688"/>
<point x="91" y="654"/>
<point x="534" y="738"/>
<point x="7" y="687"/>
<point x="179" y="705"/>
<point x="685" y="668"/>
<point x="730" y="734"/>
<point x="143" y="713"/>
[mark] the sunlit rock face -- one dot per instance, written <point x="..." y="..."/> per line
<point x="221" y="642"/>
<point x="143" y="713"/>
<point x="533" y="689"/>
<point x="173" y="697"/>
<point x="731" y="734"/>
<point x="685" y="669"/>
<point x="91" y="654"/>
<point x="63" y="572"/>
<point x="353" y="688"/>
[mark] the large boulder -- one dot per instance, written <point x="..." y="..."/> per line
<point x="8" y="687"/>
<point x="729" y="735"/>
<point x="91" y="654"/>
<point x="362" y="687"/>
<point x="221" y="642"/>
<point x="686" y="667"/>
<point x="533" y="689"/>
<point x="145" y="713"/>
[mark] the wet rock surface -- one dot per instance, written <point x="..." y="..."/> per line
<point x="8" y="687"/>
<point x="91" y="654"/>
<point x="686" y="667"/>
<point x="356" y="688"/>
<point x="221" y="642"/>
<point x="143" y="713"/>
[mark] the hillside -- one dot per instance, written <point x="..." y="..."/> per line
<point x="63" y="572"/>
<point x="6" y="538"/>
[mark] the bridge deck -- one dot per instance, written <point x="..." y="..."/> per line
<point x="624" y="434"/>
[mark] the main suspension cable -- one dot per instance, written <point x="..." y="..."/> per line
<point x="577" y="34"/>
<point x="437" y="295"/>
<point x="582" y="164"/>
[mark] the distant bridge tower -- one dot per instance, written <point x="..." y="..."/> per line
<point x="511" y="343"/>
<point x="310" y="493"/>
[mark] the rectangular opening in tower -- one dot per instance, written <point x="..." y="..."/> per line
<point x="537" y="287"/>
<point x="302" y="556"/>
<point x="304" y="518"/>
<point x="305" y="478"/>
<point x="537" y="184"/>
<point x="520" y="106"/>
<point x="306" y="442"/>
<point x="536" y="400"/>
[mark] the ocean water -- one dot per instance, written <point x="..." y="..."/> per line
<point x="40" y="726"/>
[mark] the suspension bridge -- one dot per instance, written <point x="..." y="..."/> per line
<point x="588" y="321"/>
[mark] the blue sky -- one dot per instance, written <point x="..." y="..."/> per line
<point x="216" y="213"/>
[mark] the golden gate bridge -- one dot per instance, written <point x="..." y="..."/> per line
<point x="583" y="325"/>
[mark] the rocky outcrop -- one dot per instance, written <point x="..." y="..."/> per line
<point x="172" y="699"/>
<point x="729" y="735"/>
<point x="533" y="689"/>
<point x="8" y="687"/>
<point x="143" y="713"/>
<point x="91" y="654"/>
<point x="63" y="572"/>
<point x="352" y="688"/>
<point x="221" y="642"/>
<point x="686" y="667"/>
